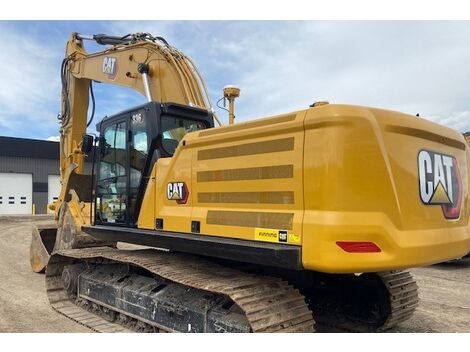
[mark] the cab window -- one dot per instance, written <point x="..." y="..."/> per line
<point x="112" y="176"/>
<point x="175" y="128"/>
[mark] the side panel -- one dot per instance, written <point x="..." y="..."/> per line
<point x="243" y="181"/>
<point x="176" y="217"/>
<point x="247" y="180"/>
<point x="146" y="218"/>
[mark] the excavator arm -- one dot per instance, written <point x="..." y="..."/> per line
<point x="139" y="61"/>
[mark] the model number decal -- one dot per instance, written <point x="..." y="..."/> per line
<point x="137" y="118"/>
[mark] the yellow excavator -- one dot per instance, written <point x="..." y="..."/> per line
<point x="282" y="224"/>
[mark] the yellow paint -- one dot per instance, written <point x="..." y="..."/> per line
<point x="361" y="184"/>
<point x="147" y="212"/>
<point x="294" y="238"/>
<point x="354" y="178"/>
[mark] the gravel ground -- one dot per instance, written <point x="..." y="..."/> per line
<point x="444" y="290"/>
<point x="23" y="303"/>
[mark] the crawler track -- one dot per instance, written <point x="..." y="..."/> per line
<point x="269" y="304"/>
<point x="385" y="299"/>
<point x="403" y="293"/>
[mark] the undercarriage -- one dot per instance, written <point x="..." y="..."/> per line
<point x="149" y="290"/>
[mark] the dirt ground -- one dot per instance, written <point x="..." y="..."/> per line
<point x="444" y="291"/>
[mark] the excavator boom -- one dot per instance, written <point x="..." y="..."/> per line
<point x="141" y="62"/>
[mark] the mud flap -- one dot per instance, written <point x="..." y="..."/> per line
<point x="42" y="244"/>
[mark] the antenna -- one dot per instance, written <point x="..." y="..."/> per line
<point x="231" y="92"/>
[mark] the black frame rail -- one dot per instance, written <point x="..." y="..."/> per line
<point x="263" y="253"/>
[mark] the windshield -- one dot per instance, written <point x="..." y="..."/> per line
<point x="176" y="127"/>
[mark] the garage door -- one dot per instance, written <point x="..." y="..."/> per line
<point x="16" y="193"/>
<point x="53" y="188"/>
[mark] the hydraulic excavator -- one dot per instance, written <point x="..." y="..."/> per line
<point x="281" y="224"/>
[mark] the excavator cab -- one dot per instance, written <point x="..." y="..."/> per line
<point x="130" y="143"/>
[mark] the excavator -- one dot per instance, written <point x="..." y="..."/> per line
<point x="290" y="223"/>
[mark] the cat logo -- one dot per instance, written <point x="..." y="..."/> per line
<point x="440" y="182"/>
<point x="110" y="66"/>
<point x="282" y="236"/>
<point x="177" y="191"/>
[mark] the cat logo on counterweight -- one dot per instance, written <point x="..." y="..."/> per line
<point x="440" y="182"/>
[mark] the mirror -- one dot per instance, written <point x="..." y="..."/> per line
<point x="103" y="146"/>
<point x="87" y="143"/>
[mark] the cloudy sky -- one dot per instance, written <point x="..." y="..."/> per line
<point x="280" y="66"/>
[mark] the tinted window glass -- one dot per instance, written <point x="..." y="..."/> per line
<point x="111" y="190"/>
<point x="113" y="152"/>
<point x="138" y="157"/>
<point x="176" y="127"/>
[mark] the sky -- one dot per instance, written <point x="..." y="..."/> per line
<point x="281" y="66"/>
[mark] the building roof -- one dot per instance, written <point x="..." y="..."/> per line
<point x="29" y="148"/>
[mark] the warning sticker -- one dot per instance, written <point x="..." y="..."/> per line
<point x="271" y="235"/>
<point x="266" y="235"/>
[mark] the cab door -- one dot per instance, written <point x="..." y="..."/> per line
<point x="113" y="176"/>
